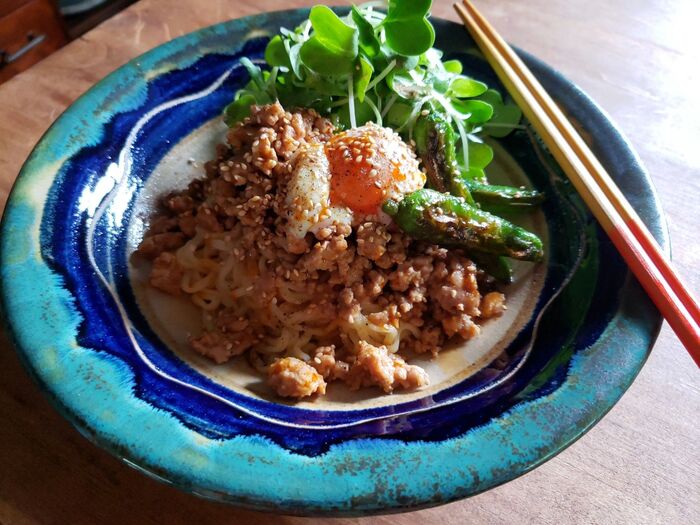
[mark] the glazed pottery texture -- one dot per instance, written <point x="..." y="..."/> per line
<point x="80" y="323"/>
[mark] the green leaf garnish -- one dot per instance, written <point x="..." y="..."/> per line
<point x="256" y="75"/>
<point x="363" y="73"/>
<point x="401" y="83"/>
<point x="453" y="66"/>
<point x="239" y="109"/>
<point x="363" y="114"/>
<point x="370" y="66"/>
<point x="480" y="155"/>
<point x="477" y="110"/>
<point x="398" y="115"/>
<point x="407" y="9"/>
<point x="332" y="32"/>
<point x="464" y="87"/>
<point x="409" y="37"/>
<point x="406" y="27"/>
<point x="369" y="43"/>
<point x="276" y="54"/>
<point x="320" y="59"/>
<point x="505" y="116"/>
<point x="333" y="47"/>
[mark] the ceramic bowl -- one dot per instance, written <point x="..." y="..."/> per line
<point x="111" y="353"/>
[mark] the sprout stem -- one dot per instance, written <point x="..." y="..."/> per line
<point x="414" y="114"/>
<point x="351" y="103"/>
<point x="381" y="75"/>
<point x="389" y="103"/>
<point x="377" y="114"/>
<point x="340" y="102"/>
<point x="272" y="81"/>
<point x="465" y="141"/>
<point x="307" y="30"/>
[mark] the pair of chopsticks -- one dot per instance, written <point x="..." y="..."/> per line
<point x="607" y="203"/>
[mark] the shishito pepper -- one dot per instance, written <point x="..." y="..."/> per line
<point x="493" y="197"/>
<point x="445" y="219"/>
<point x="496" y="266"/>
<point x="435" y="142"/>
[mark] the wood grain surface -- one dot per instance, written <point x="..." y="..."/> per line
<point x="639" y="59"/>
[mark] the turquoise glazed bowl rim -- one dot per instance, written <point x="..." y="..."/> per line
<point x="355" y="476"/>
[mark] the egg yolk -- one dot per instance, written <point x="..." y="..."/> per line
<point x="362" y="169"/>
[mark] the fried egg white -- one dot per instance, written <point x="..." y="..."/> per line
<point x="308" y="202"/>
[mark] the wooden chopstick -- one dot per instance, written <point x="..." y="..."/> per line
<point x="626" y="230"/>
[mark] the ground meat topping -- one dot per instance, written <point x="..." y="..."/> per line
<point x="292" y="377"/>
<point x="371" y="240"/>
<point x="454" y="286"/>
<point x="157" y="243"/>
<point x="215" y="346"/>
<point x="376" y="366"/>
<point x="315" y="300"/>
<point x="492" y="304"/>
<point x="326" y="364"/>
<point x="166" y="274"/>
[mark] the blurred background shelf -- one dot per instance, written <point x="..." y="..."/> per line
<point x="31" y="30"/>
<point x="80" y="21"/>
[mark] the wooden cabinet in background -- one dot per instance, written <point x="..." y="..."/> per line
<point x="29" y="31"/>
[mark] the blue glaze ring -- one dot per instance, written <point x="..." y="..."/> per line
<point x="69" y="307"/>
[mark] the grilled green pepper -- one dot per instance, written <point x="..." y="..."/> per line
<point x="496" y="266"/>
<point x="445" y="219"/>
<point x="435" y="142"/>
<point x="496" y="198"/>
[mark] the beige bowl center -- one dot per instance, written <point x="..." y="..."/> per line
<point x="174" y="319"/>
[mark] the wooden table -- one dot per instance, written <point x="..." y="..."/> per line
<point x="638" y="58"/>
